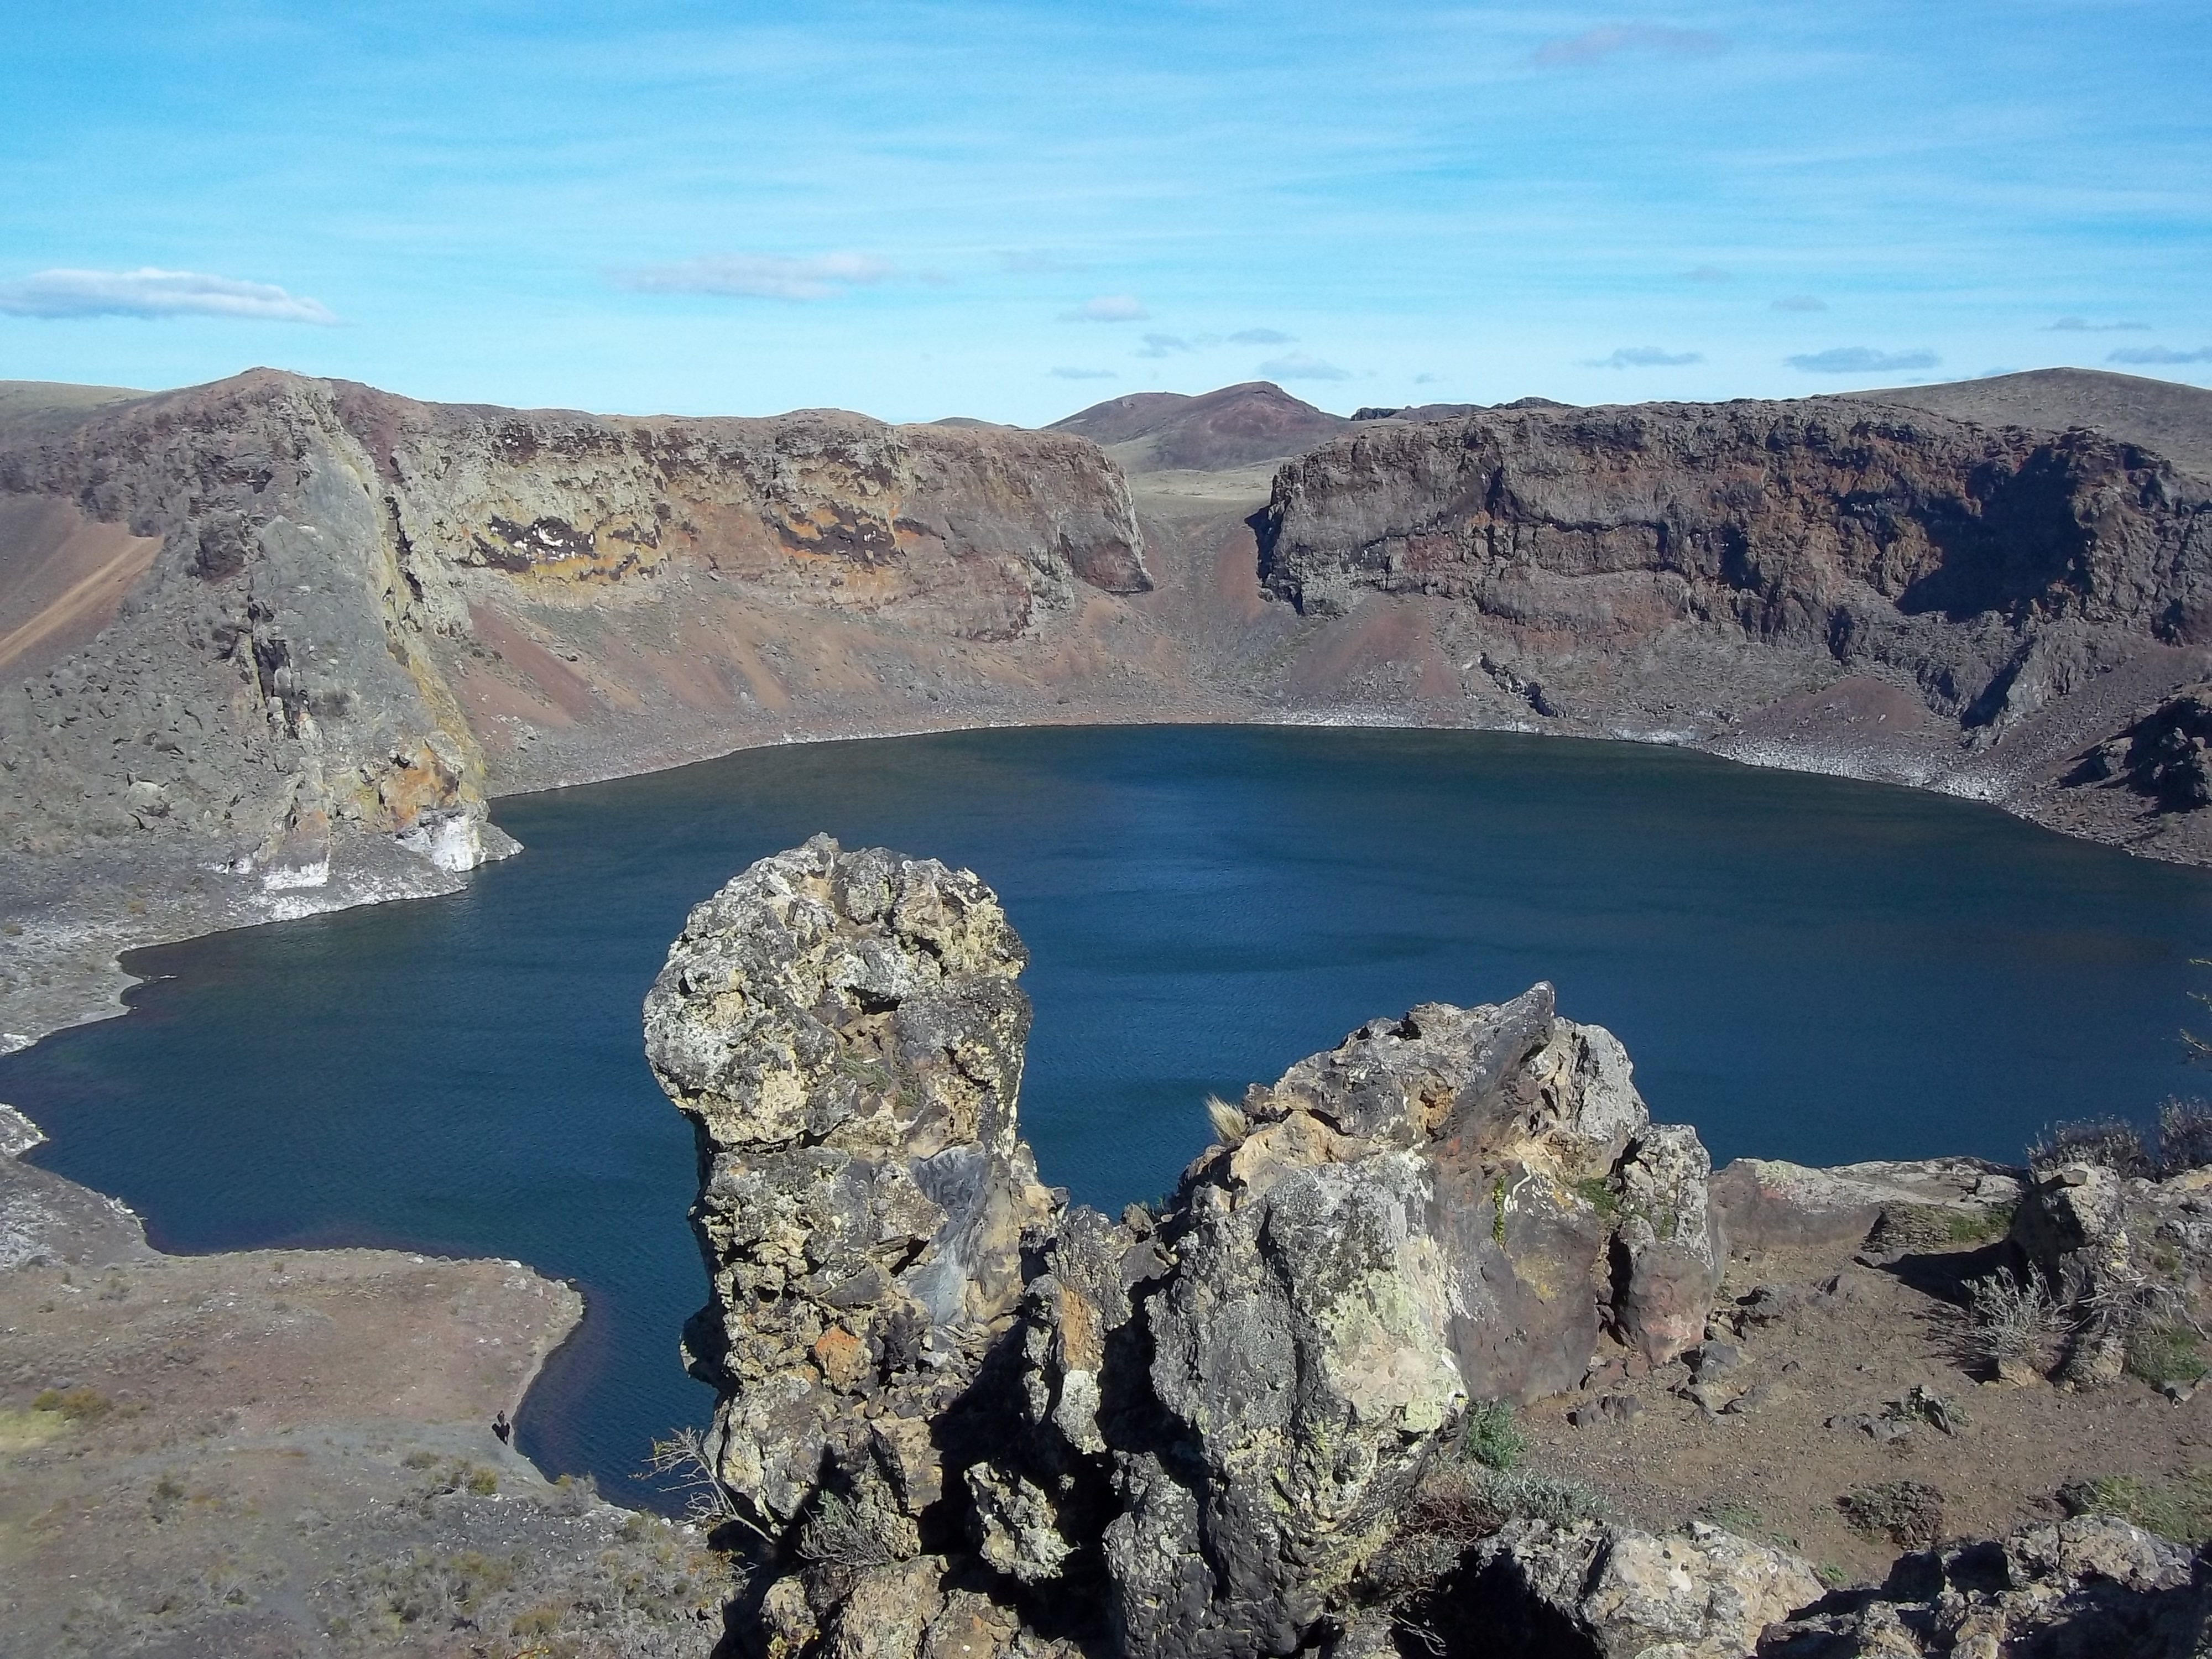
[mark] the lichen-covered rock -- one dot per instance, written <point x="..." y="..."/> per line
<point x="1205" y="1422"/>
<point x="1434" y="1211"/>
<point x="1616" y="1593"/>
<point x="844" y="1031"/>
<point x="2130" y="1258"/>
<point x="2080" y="1588"/>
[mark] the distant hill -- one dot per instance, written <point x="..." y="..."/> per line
<point x="1238" y="426"/>
<point x="2174" y="419"/>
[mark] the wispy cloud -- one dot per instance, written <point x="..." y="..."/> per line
<point x="2083" y="326"/>
<point x="149" y="292"/>
<point x="2160" y="355"/>
<point x="1426" y="380"/>
<point x="1595" y="45"/>
<point x="1644" y="357"/>
<point x="1860" y="360"/>
<point x="1801" y="302"/>
<point x="763" y="276"/>
<point x="1170" y="345"/>
<point x="1035" y="262"/>
<point x="1260" y="337"/>
<point x="1706" y="274"/>
<point x="1083" y="374"/>
<point x="1107" y="308"/>
<point x="1299" y="366"/>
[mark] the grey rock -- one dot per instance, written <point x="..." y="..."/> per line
<point x="2090" y="1586"/>
<point x="1767" y="1205"/>
<point x="1698" y="1593"/>
<point x="844" y="1031"/>
<point x="1215" y="1414"/>
<point x="2126" y="1255"/>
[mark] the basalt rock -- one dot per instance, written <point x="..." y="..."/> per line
<point x="2090" y="1586"/>
<point x="935" y="1375"/>
<point x="2129" y="1257"/>
<point x="844" y="1032"/>
<point x="265" y="642"/>
<point x="1535" y="1590"/>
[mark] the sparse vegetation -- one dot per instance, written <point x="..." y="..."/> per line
<point x="1597" y="1192"/>
<point x="2011" y="1318"/>
<point x="1490" y="1436"/>
<point x="2179" y="1508"/>
<point x="2159" y="1354"/>
<point x="2111" y="1143"/>
<point x="1735" y="1515"/>
<point x="76" y="1405"/>
<point x="1230" y="1125"/>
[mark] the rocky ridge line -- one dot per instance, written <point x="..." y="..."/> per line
<point x="1203" y="1420"/>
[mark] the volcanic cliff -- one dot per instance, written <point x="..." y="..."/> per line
<point x="269" y="645"/>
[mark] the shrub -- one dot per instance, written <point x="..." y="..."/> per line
<point x="1529" y="1496"/>
<point x="484" y="1482"/>
<point x="1909" y="1513"/>
<point x="77" y="1404"/>
<point x="2112" y="1142"/>
<point x="838" y="1535"/>
<point x="1491" y="1436"/>
<point x="2159" y="1354"/>
<point x="1230" y="1125"/>
<point x="2185" y="1135"/>
<point x="2011" y="1318"/>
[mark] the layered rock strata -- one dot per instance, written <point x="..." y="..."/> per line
<point x="1675" y="567"/>
<point x="936" y="1374"/>
<point x="264" y="642"/>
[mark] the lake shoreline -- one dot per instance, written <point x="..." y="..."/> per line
<point x="75" y="931"/>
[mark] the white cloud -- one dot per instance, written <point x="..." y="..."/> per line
<point x="1083" y="374"/>
<point x="763" y="276"/>
<point x="1860" y="360"/>
<point x="1801" y="302"/>
<point x="1644" y="357"/>
<point x="1260" y="337"/>
<point x="149" y="292"/>
<point x="2083" y="326"/>
<point x="1107" y="308"/>
<point x="2160" y="355"/>
<point x="1299" y="366"/>
<point x="1595" y="45"/>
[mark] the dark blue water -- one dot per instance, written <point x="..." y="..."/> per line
<point x="1803" y="967"/>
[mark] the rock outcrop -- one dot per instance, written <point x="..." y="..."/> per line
<point x="267" y="645"/>
<point x="1766" y="1204"/>
<point x="1746" y="553"/>
<point x="934" y="1374"/>
<point x="264" y="644"/>
<point x="2093" y="1585"/>
<point x="1599" y="1592"/>
<point x="2128" y="1258"/>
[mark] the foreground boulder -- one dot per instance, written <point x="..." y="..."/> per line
<point x="1177" y="1433"/>
<point x="2093" y="1585"/>
<point x="1616" y="1593"/>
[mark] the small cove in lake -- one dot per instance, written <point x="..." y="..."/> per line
<point x="1804" y="967"/>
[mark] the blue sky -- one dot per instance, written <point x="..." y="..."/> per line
<point x="1015" y="210"/>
